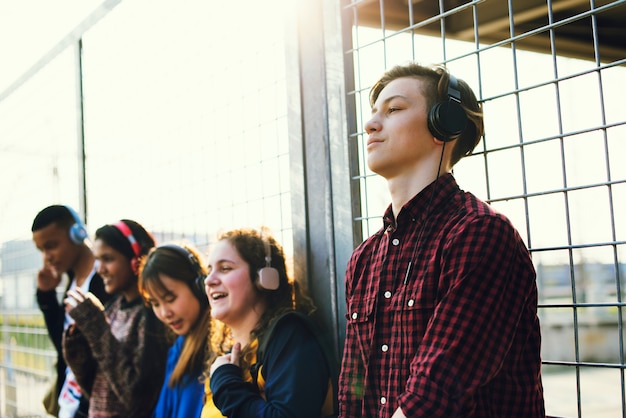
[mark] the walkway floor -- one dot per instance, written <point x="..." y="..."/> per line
<point x="601" y="392"/>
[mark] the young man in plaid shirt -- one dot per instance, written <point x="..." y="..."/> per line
<point x="442" y="300"/>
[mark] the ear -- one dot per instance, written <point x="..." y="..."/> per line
<point x="134" y="265"/>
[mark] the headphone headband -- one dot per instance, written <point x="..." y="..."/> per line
<point x="198" y="283"/>
<point x="125" y="230"/>
<point x="185" y="253"/>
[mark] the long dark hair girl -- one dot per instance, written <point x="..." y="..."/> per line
<point x="182" y="263"/>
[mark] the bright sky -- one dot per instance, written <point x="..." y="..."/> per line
<point x="30" y="28"/>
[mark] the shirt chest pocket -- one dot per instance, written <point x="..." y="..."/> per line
<point x="412" y="307"/>
<point x="360" y="311"/>
<point x="360" y="317"/>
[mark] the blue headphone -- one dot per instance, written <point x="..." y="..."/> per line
<point x="77" y="231"/>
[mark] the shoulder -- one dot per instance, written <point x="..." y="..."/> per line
<point x="290" y="328"/>
<point x="469" y="210"/>
<point x="292" y="321"/>
<point x="177" y="347"/>
<point x="369" y="241"/>
<point x="113" y="304"/>
<point x="175" y="350"/>
<point x="474" y="227"/>
<point x="364" y="251"/>
<point x="291" y="339"/>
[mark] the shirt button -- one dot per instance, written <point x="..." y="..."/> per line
<point x="387" y="294"/>
<point x="385" y="348"/>
<point x="410" y="303"/>
<point x="383" y="400"/>
<point x="355" y="315"/>
<point x="395" y="241"/>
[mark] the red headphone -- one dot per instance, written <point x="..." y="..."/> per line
<point x="125" y="230"/>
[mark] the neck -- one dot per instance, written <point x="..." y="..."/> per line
<point x="241" y="336"/>
<point x="241" y="331"/>
<point x="84" y="266"/>
<point x="131" y="294"/>
<point x="403" y="188"/>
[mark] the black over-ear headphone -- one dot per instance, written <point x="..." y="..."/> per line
<point x="447" y="119"/>
<point x="77" y="231"/>
<point x="198" y="283"/>
<point x="268" y="276"/>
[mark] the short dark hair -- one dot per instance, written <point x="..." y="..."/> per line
<point x="53" y="214"/>
<point x="436" y="80"/>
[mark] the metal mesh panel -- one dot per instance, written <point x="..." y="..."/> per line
<point x="554" y="123"/>
<point x="185" y="131"/>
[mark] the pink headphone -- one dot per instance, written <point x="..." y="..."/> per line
<point x="125" y="230"/>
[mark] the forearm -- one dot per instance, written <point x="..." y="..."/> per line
<point x="53" y="316"/>
<point x="78" y="357"/>
<point x="231" y="394"/>
<point x="133" y="366"/>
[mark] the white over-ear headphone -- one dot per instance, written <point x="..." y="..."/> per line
<point x="268" y="275"/>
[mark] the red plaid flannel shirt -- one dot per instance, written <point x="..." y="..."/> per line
<point x="456" y="336"/>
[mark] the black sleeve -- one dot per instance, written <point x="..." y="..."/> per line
<point x="54" y="316"/>
<point x="295" y="373"/>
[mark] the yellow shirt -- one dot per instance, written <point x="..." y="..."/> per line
<point x="209" y="410"/>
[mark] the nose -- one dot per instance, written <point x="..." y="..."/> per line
<point x="372" y="125"/>
<point x="211" y="279"/>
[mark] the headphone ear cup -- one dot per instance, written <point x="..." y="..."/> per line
<point x="447" y="120"/>
<point x="197" y="285"/>
<point x="198" y="289"/>
<point x="77" y="233"/>
<point x="268" y="278"/>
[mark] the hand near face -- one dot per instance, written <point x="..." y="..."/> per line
<point x="231" y="358"/>
<point x="76" y="296"/>
<point x="48" y="278"/>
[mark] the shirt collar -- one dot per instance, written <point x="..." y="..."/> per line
<point x="421" y="205"/>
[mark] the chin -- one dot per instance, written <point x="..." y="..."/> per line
<point x="217" y="315"/>
<point x="374" y="165"/>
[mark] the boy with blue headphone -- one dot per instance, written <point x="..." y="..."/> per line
<point x="60" y="235"/>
